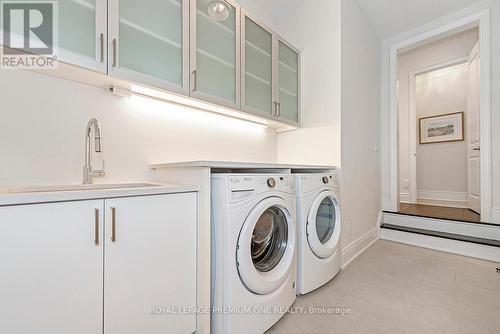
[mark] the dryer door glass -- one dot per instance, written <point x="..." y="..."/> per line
<point x="326" y="220"/>
<point x="269" y="239"/>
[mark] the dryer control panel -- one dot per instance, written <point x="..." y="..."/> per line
<point x="309" y="182"/>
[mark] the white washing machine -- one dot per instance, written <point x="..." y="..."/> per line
<point x="318" y="230"/>
<point x="253" y="251"/>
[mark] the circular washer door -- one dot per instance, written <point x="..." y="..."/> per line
<point x="323" y="225"/>
<point x="266" y="246"/>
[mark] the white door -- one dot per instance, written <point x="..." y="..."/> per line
<point x="323" y="225"/>
<point x="150" y="262"/>
<point x="149" y="42"/>
<point x="51" y="268"/>
<point x="266" y="246"/>
<point x="473" y="128"/>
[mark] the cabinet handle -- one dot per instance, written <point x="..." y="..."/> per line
<point x="194" y="81"/>
<point x="101" y="40"/>
<point x="114" y="52"/>
<point x="96" y="227"/>
<point x="278" y="109"/>
<point x="113" y="224"/>
<point x="275" y="108"/>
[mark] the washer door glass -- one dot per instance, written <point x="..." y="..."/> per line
<point x="265" y="253"/>
<point x="269" y="239"/>
<point x="326" y="218"/>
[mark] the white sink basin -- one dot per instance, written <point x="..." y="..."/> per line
<point x="77" y="187"/>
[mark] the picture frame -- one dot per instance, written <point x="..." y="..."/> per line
<point x="443" y="128"/>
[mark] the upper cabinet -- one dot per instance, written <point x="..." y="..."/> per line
<point x="207" y="49"/>
<point x="82" y="33"/>
<point x="215" y="52"/>
<point x="149" y="42"/>
<point x="270" y="73"/>
<point x="288" y="87"/>
<point x="258" y="68"/>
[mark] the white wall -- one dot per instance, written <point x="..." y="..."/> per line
<point x="317" y="34"/>
<point x="442" y="167"/>
<point x="445" y="50"/>
<point x="360" y="133"/>
<point x="43" y="125"/>
<point x="494" y="7"/>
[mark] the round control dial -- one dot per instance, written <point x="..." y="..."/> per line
<point x="325" y="179"/>
<point x="271" y="182"/>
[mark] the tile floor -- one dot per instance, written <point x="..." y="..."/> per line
<point x="395" y="288"/>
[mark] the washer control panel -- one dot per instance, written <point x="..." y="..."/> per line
<point x="241" y="186"/>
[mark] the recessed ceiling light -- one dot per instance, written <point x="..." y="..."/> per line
<point x="218" y="10"/>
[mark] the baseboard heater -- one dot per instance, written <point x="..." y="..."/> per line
<point x="444" y="235"/>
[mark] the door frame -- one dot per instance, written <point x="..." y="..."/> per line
<point x="480" y="19"/>
<point x="412" y="119"/>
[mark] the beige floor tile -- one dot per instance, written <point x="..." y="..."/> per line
<point x="398" y="289"/>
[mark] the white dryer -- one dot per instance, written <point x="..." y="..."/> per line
<point x="318" y="230"/>
<point x="253" y="251"/>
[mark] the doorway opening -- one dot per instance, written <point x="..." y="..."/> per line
<point x="440" y="101"/>
<point x="439" y="137"/>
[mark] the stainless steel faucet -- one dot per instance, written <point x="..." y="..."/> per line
<point x="88" y="171"/>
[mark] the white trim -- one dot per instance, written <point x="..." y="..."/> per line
<point x="482" y="18"/>
<point x="444" y="245"/>
<point x="444" y="198"/>
<point x="404" y="198"/>
<point x="485" y="231"/>
<point x="495" y="215"/>
<point x="387" y="205"/>
<point x="356" y="248"/>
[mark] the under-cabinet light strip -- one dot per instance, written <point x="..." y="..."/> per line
<point x="195" y="104"/>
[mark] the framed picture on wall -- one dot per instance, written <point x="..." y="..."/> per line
<point x="442" y="128"/>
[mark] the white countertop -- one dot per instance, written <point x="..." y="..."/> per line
<point x="46" y="194"/>
<point x="237" y="165"/>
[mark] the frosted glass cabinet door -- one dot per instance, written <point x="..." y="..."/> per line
<point x="148" y="42"/>
<point x="288" y="83"/>
<point x="82" y="32"/>
<point x="215" y="51"/>
<point x="257" y="68"/>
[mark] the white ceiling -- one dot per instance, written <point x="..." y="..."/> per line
<point x="393" y="17"/>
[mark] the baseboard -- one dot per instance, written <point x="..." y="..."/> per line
<point x="495" y="216"/>
<point x="357" y="247"/>
<point x="442" y="198"/>
<point x="482" y="252"/>
<point x="404" y="197"/>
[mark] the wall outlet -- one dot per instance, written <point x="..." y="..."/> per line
<point x="405" y="184"/>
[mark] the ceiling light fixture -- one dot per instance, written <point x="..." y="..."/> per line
<point x="218" y="10"/>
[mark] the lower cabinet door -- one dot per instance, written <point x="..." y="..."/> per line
<point x="51" y="268"/>
<point x="150" y="264"/>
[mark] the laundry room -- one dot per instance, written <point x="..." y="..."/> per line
<point x="231" y="166"/>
